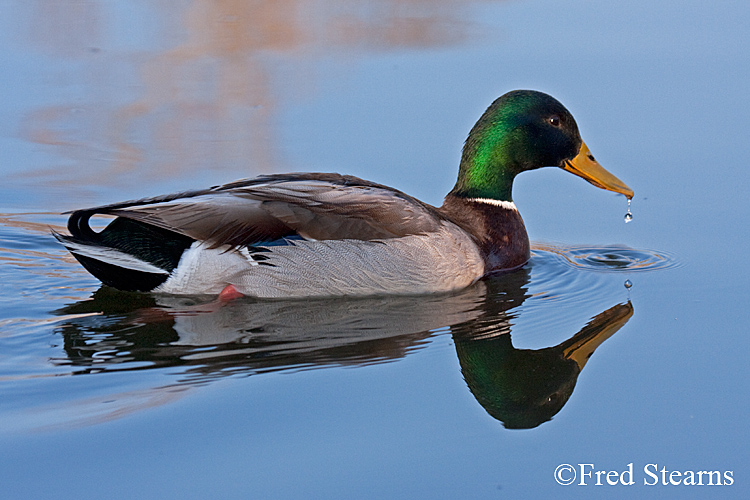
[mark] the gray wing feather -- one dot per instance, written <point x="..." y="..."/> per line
<point x="316" y="206"/>
<point x="325" y="211"/>
<point x="218" y="219"/>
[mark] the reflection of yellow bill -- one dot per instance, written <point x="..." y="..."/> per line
<point x="584" y="165"/>
<point x="583" y="344"/>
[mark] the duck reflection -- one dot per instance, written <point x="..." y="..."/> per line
<point x="117" y="331"/>
<point x="524" y="388"/>
<point x="214" y="339"/>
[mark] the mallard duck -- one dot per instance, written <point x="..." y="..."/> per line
<point x="313" y="234"/>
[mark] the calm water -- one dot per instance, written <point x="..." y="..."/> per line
<point x="484" y="393"/>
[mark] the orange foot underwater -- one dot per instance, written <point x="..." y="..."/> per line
<point x="229" y="293"/>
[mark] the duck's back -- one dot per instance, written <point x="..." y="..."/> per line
<point x="278" y="236"/>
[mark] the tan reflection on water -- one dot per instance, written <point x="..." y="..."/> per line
<point x="197" y="88"/>
<point x="48" y="268"/>
<point x="17" y="221"/>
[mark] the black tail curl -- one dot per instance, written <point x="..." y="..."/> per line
<point x="159" y="247"/>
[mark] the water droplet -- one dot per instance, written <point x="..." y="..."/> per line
<point x="628" y="284"/>
<point x="628" y="216"/>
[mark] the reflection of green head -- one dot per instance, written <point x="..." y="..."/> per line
<point x="525" y="388"/>
<point x="521" y="388"/>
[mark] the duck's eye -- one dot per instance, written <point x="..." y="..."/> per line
<point x="554" y="120"/>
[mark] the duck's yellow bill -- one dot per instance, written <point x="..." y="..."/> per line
<point x="584" y="165"/>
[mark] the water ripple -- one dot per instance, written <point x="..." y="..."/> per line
<point x="609" y="258"/>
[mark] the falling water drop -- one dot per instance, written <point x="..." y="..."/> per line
<point x="628" y="216"/>
<point x="628" y="284"/>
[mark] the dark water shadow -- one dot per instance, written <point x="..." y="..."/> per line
<point x="208" y="340"/>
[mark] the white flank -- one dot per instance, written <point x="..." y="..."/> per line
<point x="204" y="270"/>
<point x="114" y="257"/>
<point x="508" y="205"/>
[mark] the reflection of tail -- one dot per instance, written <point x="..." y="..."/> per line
<point x="582" y="345"/>
<point x="127" y="254"/>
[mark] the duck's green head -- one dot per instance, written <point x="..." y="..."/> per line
<point x="525" y="130"/>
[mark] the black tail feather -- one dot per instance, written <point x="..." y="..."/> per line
<point x="78" y="225"/>
<point x="121" y="278"/>
<point x="154" y="245"/>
